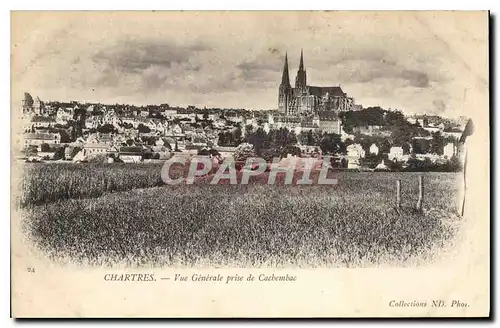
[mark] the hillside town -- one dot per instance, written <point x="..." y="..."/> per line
<point x="308" y="121"/>
<point x="371" y="138"/>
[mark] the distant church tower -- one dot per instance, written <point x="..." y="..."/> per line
<point x="285" y="90"/>
<point x="301" y="79"/>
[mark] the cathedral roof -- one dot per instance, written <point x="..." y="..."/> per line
<point x="321" y="91"/>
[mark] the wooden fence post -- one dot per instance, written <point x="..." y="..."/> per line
<point x="420" y="202"/>
<point x="398" y="193"/>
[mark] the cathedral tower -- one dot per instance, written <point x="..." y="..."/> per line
<point x="285" y="90"/>
<point x="301" y="79"/>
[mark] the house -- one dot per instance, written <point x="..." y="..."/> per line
<point x="79" y="142"/>
<point x="188" y="129"/>
<point x="374" y="149"/>
<point x="453" y="132"/>
<point x="110" y="118"/>
<point x="199" y="140"/>
<point x="36" y="139"/>
<point x="329" y="122"/>
<point x="285" y="122"/>
<point x="396" y="153"/>
<point x="355" y="150"/>
<point x="267" y="127"/>
<point x="309" y="150"/>
<point x="354" y="153"/>
<point x="412" y="120"/>
<point x="46" y="154"/>
<point x="367" y="130"/>
<point x="92" y="148"/>
<point x="176" y="129"/>
<point x="213" y="117"/>
<point x="129" y="120"/>
<point x="130" y="154"/>
<point x="106" y="138"/>
<point x="233" y="117"/>
<point x="92" y="122"/>
<point x="344" y="136"/>
<point x="433" y="128"/>
<point x="226" y="151"/>
<point x="167" y="142"/>
<point x="432" y="157"/>
<point x="42" y="122"/>
<point x="220" y="123"/>
<point x="449" y="150"/>
<point x="169" y="113"/>
<point x="64" y="115"/>
<point x="68" y="152"/>
<point x="162" y="151"/>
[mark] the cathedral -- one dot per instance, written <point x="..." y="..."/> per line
<point x="305" y="99"/>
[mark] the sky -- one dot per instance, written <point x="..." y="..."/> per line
<point x="426" y="62"/>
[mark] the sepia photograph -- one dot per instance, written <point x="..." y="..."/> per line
<point x="172" y="151"/>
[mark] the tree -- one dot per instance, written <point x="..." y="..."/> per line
<point x="203" y="152"/>
<point x="75" y="151"/>
<point x="292" y="150"/>
<point x="222" y="139"/>
<point x="421" y="146"/>
<point x="406" y="147"/>
<point x="143" y="128"/>
<point x="237" y="136"/>
<point x="454" y="164"/>
<point x="106" y="128"/>
<point x="332" y="144"/>
<point x="45" y="147"/>
<point x="259" y="140"/>
<point x="248" y="129"/>
<point x="243" y="152"/>
<point x="59" y="153"/>
<point x="437" y="143"/>
<point x="303" y="138"/>
<point x="384" y="146"/>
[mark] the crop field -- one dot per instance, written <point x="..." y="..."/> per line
<point x="43" y="183"/>
<point x="141" y="222"/>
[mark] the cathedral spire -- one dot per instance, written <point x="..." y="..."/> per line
<point x="285" y="79"/>
<point x="301" y="66"/>
<point x="301" y="79"/>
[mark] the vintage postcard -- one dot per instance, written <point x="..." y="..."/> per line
<point x="250" y="164"/>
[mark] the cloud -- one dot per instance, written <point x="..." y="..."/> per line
<point x="134" y="56"/>
<point x="132" y="65"/>
<point x="364" y="71"/>
<point x="439" y="106"/>
<point x="264" y="67"/>
<point x="227" y="59"/>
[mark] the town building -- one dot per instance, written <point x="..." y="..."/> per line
<point x="396" y="153"/>
<point x="449" y="150"/>
<point x="36" y="139"/>
<point x="354" y="154"/>
<point x="42" y="122"/>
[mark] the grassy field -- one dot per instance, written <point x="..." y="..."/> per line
<point x="48" y="182"/>
<point x="351" y="224"/>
